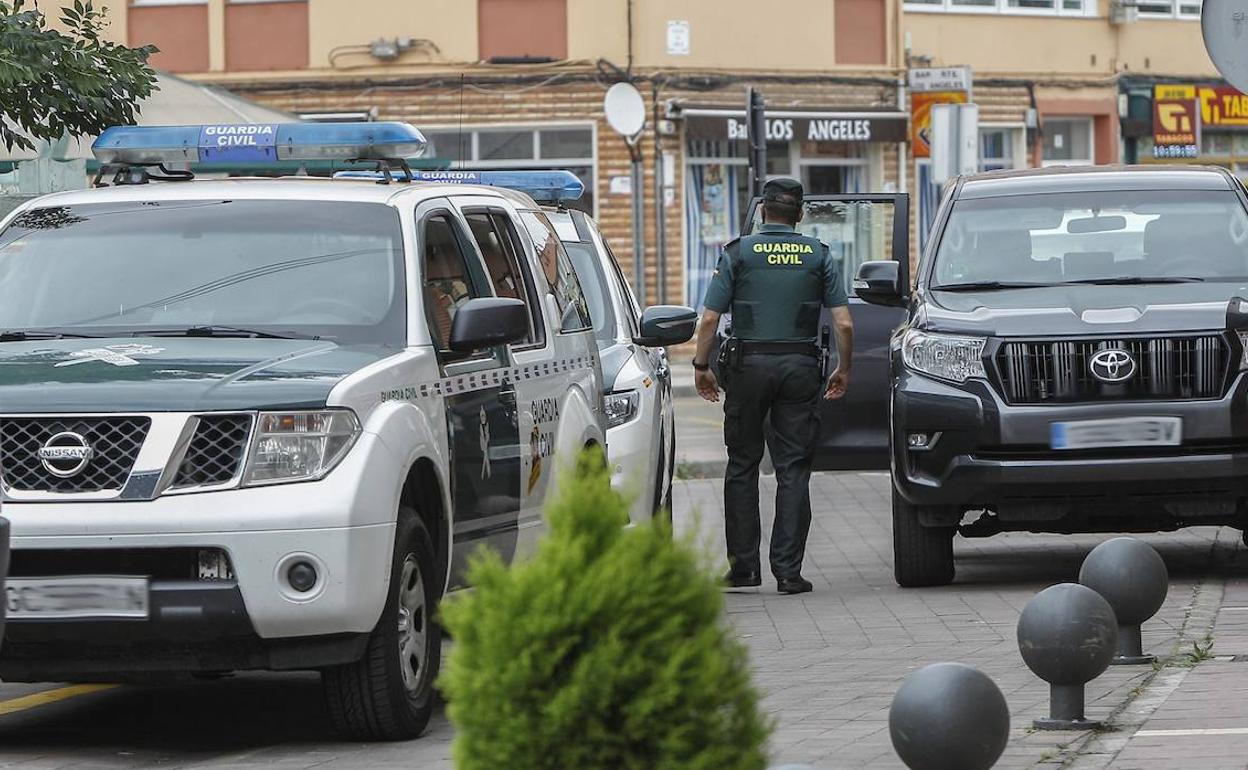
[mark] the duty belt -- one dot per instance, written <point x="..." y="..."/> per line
<point x="757" y="348"/>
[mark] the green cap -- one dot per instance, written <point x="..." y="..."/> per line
<point x="774" y="188"/>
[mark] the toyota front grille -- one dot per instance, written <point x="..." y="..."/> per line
<point x="1062" y="371"/>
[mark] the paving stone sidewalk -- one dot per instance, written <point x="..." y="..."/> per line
<point x="829" y="662"/>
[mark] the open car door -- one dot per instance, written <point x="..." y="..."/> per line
<point x="857" y="228"/>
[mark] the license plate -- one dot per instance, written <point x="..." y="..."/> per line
<point x="79" y="597"/>
<point x="1122" y="432"/>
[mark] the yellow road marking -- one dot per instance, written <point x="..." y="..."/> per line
<point x="27" y="702"/>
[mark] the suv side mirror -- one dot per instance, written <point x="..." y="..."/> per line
<point x="666" y="325"/>
<point x="879" y="282"/>
<point x="488" y="321"/>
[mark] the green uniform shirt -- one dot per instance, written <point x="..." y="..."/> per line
<point x="775" y="282"/>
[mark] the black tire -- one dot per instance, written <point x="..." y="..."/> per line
<point x="922" y="556"/>
<point x="368" y="700"/>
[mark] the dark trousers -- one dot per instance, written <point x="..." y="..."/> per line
<point x="786" y="387"/>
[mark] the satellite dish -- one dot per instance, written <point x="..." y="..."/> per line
<point x="1224" y="24"/>
<point x="626" y="109"/>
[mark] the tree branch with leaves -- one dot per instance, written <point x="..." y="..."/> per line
<point x="54" y="83"/>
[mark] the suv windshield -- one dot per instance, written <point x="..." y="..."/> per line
<point x="1094" y="237"/>
<point x="323" y="269"/>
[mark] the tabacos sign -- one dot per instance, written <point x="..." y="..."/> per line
<point x="1176" y="122"/>
<point x="256" y="143"/>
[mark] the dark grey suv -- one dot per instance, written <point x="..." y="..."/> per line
<point x="1071" y="360"/>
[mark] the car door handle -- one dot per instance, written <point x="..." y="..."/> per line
<point x="507" y="397"/>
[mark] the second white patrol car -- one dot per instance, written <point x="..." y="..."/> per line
<point x="262" y="423"/>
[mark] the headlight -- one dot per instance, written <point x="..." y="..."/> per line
<point x="621" y="407"/>
<point x="944" y="356"/>
<point x="1243" y="343"/>
<point x="299" y="446"/>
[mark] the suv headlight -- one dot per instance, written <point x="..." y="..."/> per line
<point x="944" y="356"/>
<point x="1243" y="343"/>
<point x="621" y="407"/>
<point x="299" y="446"/>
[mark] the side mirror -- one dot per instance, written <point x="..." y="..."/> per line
<point x="879" y="283"/>
<point x="663" y="325"/>
<point x="489" y="321"/>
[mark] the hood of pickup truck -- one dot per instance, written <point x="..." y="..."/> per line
<point x="161" y="374"/>
<point x="1081" y="310"/>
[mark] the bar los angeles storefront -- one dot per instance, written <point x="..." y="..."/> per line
<point x="831" y="152"/>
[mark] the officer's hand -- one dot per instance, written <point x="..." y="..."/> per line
<point x="838" y="384"/>
<point x="708" y="386"/>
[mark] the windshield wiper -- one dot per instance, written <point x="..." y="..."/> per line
<point x="22" y="335"/>
<point x="1130" y="280"/>
<point x="990" y="286"/>
<point x="220" y="331"/>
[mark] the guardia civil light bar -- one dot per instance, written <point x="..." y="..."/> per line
<point x="550" y="186"/>
<point x="258" y="143"/>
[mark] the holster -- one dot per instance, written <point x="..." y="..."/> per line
<point x="730" y="358"/>
<point x="825" y="351"/>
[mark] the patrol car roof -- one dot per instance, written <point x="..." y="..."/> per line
<point x="283" y="188"/>
<point x="1094" y="179"/>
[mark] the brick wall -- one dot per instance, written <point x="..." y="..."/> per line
<point x="572" y="94"/>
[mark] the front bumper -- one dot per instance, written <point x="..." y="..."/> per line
<point x="995" y="456"/>
<point x="344" y="525"/>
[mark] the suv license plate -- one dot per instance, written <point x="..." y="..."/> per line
<point x="1123" y="432"/>
<point x="78" y="597"/>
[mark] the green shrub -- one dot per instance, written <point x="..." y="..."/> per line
<point x="606" y="650"/>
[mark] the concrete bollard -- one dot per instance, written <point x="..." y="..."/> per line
<point x="949" y="716"/>
<point x="1133" y="579"/>
<point x="1067" y="636"/>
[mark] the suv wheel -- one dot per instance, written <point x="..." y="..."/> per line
<point x="388" y="694"/>
<point x="922" y="556"/>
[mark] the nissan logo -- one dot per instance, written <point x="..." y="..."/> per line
<point x="1112" y="365"/>
<point x="65" y="454"/>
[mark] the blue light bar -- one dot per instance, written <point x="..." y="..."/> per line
<point x="258" y="143"/>
<point x="545" y="186"/>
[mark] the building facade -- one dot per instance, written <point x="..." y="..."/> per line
<point x="520" y="83"/>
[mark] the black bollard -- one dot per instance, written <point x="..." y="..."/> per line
<point x="949" y="716"/>
<point x="1133" y="579"/>
<point x="1067" y="636"/>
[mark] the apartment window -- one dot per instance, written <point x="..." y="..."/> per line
<point x="996" y="148"/>
<point x="179" y="28"/>
<point x="1068" y="142"/>
<point x="1037" y="7"/>
<point x="569" y="147"/>
<point x="545" y="25"/>
<point x="265" y="35"/>
<point x="1170" y="9"/>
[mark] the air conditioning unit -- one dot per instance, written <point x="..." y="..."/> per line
<point x="1123" y="12"/>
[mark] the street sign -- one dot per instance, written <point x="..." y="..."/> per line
<point x="940" y="79"/>
<point x="1224" y="24"/>
<point x="955" y="140"/>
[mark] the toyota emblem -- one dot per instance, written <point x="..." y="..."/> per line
<point x="65" y="454"/>
<point x="1112" y="365"/>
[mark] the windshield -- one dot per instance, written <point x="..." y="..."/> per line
<point x="1092" y="237"/>
<point x="305" y="268"/>
<point x="589" y="271"/>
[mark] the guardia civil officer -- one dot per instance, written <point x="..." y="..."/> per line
<point x="774" y="282"/>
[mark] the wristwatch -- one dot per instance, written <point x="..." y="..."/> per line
<point x="697" y="367"/>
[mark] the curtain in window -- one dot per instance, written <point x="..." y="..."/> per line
<point x="854" y="178"/>
<point x="711" y="216"/>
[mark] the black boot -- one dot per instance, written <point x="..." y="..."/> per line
<point x="794" y="585"/>
<point x="742" y="579"/>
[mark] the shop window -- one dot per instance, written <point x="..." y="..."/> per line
<point x="544" y="24"/>
<point x="1215" y="144"/>
<point x="1041" y="7"/>
<point x="996" y="149"/>
<point x="1170" y="9"/>
<point x="1068" y="142"/>
<point x="179" y="28"/>
<point x="520" y="147"/>
<point x="262" y="35"/>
